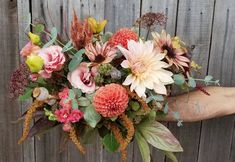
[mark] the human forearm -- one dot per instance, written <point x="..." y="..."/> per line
<point x="196" y="106"/>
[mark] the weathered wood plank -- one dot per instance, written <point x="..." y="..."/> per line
<point x="217" y="134"/>
<point x="23" y="8"/>
<point x="10" y="110"/>
<point x="169" y="8"/>
<point x="48" y="147"/>
<point x="194" y="21"/>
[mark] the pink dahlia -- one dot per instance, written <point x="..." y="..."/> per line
<point x="100" y="54"/>
<point x="174" y="53"/>
<point x="111" y="100"/>
<point x="122" y="36"/>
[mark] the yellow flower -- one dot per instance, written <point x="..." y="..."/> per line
<point x="195" y="66"/>
<point x="176" y="42"/>
<point x="35" y="39"/>
<point x="34" y="62"/>
<point x="96" y="26"/>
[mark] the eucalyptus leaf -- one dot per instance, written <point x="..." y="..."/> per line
<point x="74" y="104"/>
<point x="71" y="94"/>
<point x="74" y="63"/>
<point x="143" y="147"/>
<point x="179" y="79"/>
<point x="192" y="83"/>
<point x="158" y="98"/>
<point x="110" y="142"/>
<point x="82" y="101"/>
<point x="26" y="95"/>
<point x="53" y="38"/>
<point x="80" y="53"/>
<point x="67" y="46"/>
<point x="91" y="116"/>
<point x="159" y="136"/>
<point x="208" y="78"/>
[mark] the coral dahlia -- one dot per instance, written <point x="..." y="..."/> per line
<point x="122" y="36"/>
<point x="111" y="100"/>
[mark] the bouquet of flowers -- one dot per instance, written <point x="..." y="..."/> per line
<point x="98" y="83"/>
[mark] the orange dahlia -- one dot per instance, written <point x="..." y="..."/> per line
<point x="111" y="100"/>
<point x="122" y="36"/>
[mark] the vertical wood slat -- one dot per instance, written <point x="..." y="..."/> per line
<point x="23" y="9"/>
<point x="217" y="134"/>
<point x="169" y="8"/>
<point x="194" y="23"/>
<point x="10" y="151"/>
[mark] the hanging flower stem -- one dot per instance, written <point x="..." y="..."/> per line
<point x="75" y="139"/>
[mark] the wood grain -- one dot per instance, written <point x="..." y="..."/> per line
<point x="217" y="134"/>
<point x="10" y="110"/>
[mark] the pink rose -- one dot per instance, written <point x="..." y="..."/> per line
<point x="28" y="49"/>
<point x="83" y="78"/>
<point x="64" y="93"/>
<point x="53" y="60"/>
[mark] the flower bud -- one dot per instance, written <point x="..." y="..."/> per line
<point x="35" y="39"/>
<point x="35" y="63"/>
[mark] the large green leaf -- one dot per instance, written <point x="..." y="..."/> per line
<point x="110" y="142"/>
<point x="27" y="94"/>
<point x="89" y="135"/>
<point x="179" y="79"/>
<point x="143" y="147"/>
<point x="83" y="101"/>
<point x="159" y="136"/>
<point x="91" y="116"/>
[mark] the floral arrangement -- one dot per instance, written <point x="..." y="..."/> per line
<point x="98" y="83"/>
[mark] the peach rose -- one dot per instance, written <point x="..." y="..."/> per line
<point x="28" y="49"/>
<point x="53" y="60"/>
<point x="83" y="78"/>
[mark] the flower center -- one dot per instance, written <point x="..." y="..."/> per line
<point x="99" y="58"/>
<point x="138" y="68"/>
<point x="170" y="51"/>
<point x="86" y="79"/>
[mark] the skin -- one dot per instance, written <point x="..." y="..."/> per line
<point x="196" y="106"/>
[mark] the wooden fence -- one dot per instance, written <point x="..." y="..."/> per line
<point x="208" y="26"/>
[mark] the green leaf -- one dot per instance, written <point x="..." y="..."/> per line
<point x="143" y="147"/>
<point x="26" y="95"/>
<point x="74" y="104"/>
<point x="67" y="46"/>
<point x="71" y="94"/>
<point x="91" y="116"/>
<point x="171" y="156"/>
<point x="90" y="96"/>
<point x="158" y="98"/>
<point x="208" y="78"/>
<point x="53" y="38"/>
<point x="159" y="136"/>
<point x="79" y="53"/>
<point x="166" y="108"/>
<point x="192" y="83"/>
<point x="110" y="142"/>
<point x="38" y="28"/>
<point x="82" y="101"/>
<point x="89" y="135"/>
<point x="179" y="79"/>
<point x="134" y="105"/>
<point x="74" y="63"/>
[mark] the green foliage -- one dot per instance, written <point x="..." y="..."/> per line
<point x="171" y="156"/>
<point x="27" y="94"/>
<point x="156" y="97"/>
<point x="143" y="147"/>
<point x="71" y="94"/>
<point x="74" y="104"/>
<point x="166" y="108"/>
<point x="50" y="115"/>
<point x="77" y="59"/>
<point x="159" y="136"/>
<point x="68" y="46"/>
<point x="91" y="116"/>
<point x="191" y="82"/>
<point x="179" y="79"/>
<point x="39" y="28"/>
<point x="53" y="38"/>
<point x="110" y="142"/>
<point x="107" y="36"/>
<point x="83" y="101"/>
<point x="105" y="69"/>
<point x="134" y="105"/>
<point x="89" y="135"/>
<point x="208" y="78"/>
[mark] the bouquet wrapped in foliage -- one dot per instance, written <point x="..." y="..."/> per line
<point x="112" y="85"/>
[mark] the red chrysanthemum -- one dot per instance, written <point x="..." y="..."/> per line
<point x="122" y="36"/>
<point x="111" y="100"/>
